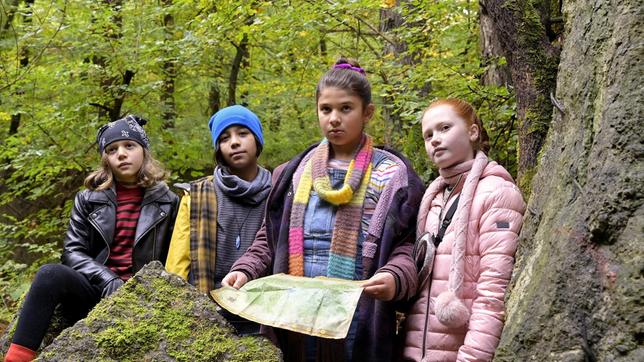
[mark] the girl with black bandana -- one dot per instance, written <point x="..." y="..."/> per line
<point x="220" y="214"/>
<point x="125" y="200"/>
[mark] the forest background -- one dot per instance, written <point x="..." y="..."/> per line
<point x="67" y="67"/>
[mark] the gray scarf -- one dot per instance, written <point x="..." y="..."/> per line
<point x="250" y="193"/>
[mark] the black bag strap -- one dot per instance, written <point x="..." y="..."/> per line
<point x="446" y="221"/>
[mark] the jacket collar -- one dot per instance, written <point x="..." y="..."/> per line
<point x="156" y="193"/>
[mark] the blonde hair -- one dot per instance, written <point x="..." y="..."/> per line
<point x="151" y="173"/>
<point x="467" y="112"/>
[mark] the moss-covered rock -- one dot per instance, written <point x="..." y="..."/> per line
<point x="156" y="316"/>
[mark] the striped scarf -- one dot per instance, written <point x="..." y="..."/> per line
<point x="349" y="198"/>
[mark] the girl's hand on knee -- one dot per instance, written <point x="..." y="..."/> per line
<point x="235" y="279"/>
<point x="380" y="286"/>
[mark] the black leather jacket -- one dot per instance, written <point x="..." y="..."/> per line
<point x="91" y="231"/>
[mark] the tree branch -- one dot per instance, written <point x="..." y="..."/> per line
<point x="40" y="53"/>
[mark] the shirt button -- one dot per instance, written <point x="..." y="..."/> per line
<point x="94" y="215"/>
<point x="162" y="213"/>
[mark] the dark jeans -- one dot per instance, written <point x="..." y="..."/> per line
<point x="54" y="284"/>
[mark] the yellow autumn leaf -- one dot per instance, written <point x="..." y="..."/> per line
<point x="4" y="116"/>
<point x="387" y="4"/>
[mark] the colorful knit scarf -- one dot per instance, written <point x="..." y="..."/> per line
<point x="349" y="198"/>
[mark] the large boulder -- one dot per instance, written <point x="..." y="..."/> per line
<point x="577" y="290"/>
<point x="156" y="316"/>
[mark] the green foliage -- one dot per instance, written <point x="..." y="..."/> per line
<point x="79" y="54"/>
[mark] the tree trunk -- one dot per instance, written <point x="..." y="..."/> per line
<point x="119" y="98"/>
<point x="214" y="98"/>
<point x="169" y="71"/>
<point x="24" y="63"/>
<point x="110" y="84"/>
<point x="390" y="19"/>
<point x="241" y="60"/>
<point x="522" y="29"/>
<point x="491" y="51"/>
<point x="242" y="51"/>
<point x="577" y="289"/>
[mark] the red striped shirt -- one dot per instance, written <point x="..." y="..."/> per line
<point x="128" y="209"/>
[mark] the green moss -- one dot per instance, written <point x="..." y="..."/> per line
<point x="126" y="339"/>
<point x="157" y="316"/>
<point x="525" y="181"/>
<point x="150" y="317"/>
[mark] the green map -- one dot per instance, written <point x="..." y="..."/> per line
<point x="320" y="306"/>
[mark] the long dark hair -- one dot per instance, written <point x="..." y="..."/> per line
<point x="348" y="79"/>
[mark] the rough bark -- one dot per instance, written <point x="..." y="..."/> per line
<point x="491" y="51"/>
<point x="576" y="294"/>
<point x="390" y="20"/>
<point x="533" y="59"/>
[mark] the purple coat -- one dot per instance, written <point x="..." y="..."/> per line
<point x="268" y="254"/>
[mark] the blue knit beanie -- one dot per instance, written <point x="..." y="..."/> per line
<point x="234" y="115"/>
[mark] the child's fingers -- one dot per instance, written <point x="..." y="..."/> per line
<point x="224" y="282"/>
<point x="380" y="286"/>
<point x="371" y="283"/>
<point x="230" y="280"/>
<point x="240" y="280"/>
<point x="373" y="290"/>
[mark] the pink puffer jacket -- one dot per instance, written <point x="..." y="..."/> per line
<point x="494" y="223"/>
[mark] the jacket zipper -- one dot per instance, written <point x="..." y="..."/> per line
<point x="429" y="282"/>
<point x="154" y="245"/>
<point x="107" y="245"/>
<point x="150" y="228"/>
<point x="154" y="239"/>
<point x="426" y="319"/>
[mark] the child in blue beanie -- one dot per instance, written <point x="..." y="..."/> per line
<point x="220" y="214"/>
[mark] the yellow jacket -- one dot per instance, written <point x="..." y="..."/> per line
<point x="178" y="260"/>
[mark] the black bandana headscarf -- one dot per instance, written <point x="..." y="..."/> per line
<point x="127" y="128"/>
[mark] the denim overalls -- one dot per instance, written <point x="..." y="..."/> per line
<point x="318" y="230"/>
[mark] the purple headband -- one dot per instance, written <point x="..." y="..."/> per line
<point x="349" y="66"/>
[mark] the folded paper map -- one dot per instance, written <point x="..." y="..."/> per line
<point x="320" y="306"/>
